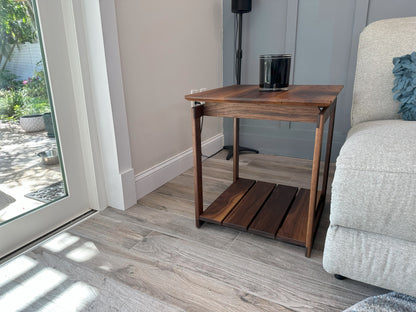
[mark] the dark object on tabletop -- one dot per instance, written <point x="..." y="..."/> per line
<point x="274" y="72"/>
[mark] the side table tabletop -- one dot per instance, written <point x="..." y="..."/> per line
<point x="277" y="211"/>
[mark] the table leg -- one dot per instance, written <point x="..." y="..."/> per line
<point x="328" y="149"/>
<point x="314" y="182"/>
<point x="236" y="158"/>
<point x="196" y="141"/>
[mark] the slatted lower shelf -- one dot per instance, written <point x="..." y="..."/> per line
<point x="275" y="211"/>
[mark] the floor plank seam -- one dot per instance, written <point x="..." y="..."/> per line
<point x="234" y="287"/>
<point x="230" y="245"/>
<point x="175" y="268"/>
<point x="152" y="257"/>
<point x="319" y="261"/>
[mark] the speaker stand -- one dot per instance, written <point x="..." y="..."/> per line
<point x="239" y="56"/>
<point x="241" y="149"/>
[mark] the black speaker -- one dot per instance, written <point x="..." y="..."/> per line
<point x="241" y="6"/>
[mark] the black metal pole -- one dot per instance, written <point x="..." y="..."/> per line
<point x="239" y="52"/>
<point x="239" y="56"/>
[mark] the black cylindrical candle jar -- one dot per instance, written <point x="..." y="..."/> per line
<point x="274" y="72"/>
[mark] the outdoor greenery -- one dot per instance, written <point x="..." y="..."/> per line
<point x="35" y="86"/>
<point x="10" y="103"/>
<point x="17" y="26"/>
<point x="8" y="80"/>
<point x="28" y="97"/>
<point x="19" y="98"/>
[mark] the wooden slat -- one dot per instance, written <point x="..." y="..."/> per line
<point x="242" y="215"/>
<point x="221" y="207"/>
<point x="293" y="229"/>
<point x="270" y="217"/>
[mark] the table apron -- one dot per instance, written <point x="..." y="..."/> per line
<point x="262" y="111"/>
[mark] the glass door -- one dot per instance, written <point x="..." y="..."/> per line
<point x="42" y="180"/>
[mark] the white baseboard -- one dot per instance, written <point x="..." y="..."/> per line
<point x="128" y="181"/>
<point x="154" y="177"/>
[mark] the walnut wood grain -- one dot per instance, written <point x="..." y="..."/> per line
<point x="301" y="103"/>
<point x="242" y="215"/>
<point x="236" y="149"/>
<point x="262" y="111"/>
<point x="303" y="95"/>
<point x="319" y="131"/>
<point x="196" y="142"/>
<point x="293" y="229"/>
<point x="328" y="148"/>
<point x="270" y="217"/>
<point x="221" y="207"/>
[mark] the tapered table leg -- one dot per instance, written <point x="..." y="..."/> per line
<point x="328" y="149"/>
<point x="314" y="182"/>
<point x="196" y="141"/>
<point x="236" y="156"/>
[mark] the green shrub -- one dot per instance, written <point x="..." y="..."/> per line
<point x="33" y="106"/>
<point x="20" y="98"/>
<point x="16" y="103"/>
<point x="9" y="80"/>
<point x="36" y="85"/>
<point x="11" y="102"/>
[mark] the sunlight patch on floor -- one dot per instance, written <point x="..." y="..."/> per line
<point x="77" y="296"/>
<point x="27" y="285"/>
<point x="31" y="290"/>
<point x="60" y="242"/>
<point x="15" y="268"/>
<point x="83" y="253"/>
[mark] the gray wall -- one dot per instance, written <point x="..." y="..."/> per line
<point x="322" y="36"/>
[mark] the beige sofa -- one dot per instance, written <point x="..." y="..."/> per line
<point x="372" y="232"/>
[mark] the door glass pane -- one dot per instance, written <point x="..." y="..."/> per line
<point x="31" y="174"/>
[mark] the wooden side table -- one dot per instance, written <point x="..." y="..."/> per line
<point x="277" y="211"/>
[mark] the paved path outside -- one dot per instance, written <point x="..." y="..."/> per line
<point x="21" y="170"/>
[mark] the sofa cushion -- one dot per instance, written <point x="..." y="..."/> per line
<point x="371" y="258"/>
<point x="374" y="187"/>
<point x="379" y="43"/>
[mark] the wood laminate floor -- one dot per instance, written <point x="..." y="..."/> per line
<point x="153" y="258"/>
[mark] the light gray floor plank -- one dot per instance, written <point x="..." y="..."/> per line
<point x="114" y="269"/>
<point x="126" y="234"/>
<point x="167" y="203"/>
<point x="153" y="258"/>
<point x="287" y="282"/>
<point x="97" y="272"/>
<point x="175" y="225"/>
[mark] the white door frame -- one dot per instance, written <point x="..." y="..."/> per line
<point x="95" y="59"/>
<point x="91" y="117"/>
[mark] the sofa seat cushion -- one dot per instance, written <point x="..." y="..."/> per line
<point x="371" y="258"/>
<point x="374" y="187"/>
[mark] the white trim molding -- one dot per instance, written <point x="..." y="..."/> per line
<point x="154" y="177"/>
<point x="99" y="55"/>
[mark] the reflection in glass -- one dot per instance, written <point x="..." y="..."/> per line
<point x="30" y="169"/>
